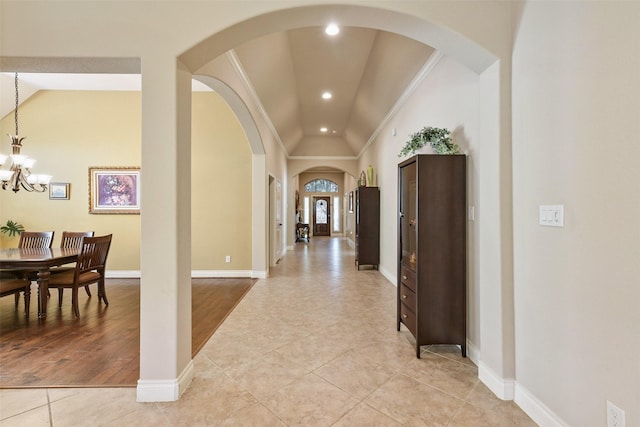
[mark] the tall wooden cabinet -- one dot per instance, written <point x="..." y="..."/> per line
<point x="432" y="249"/>
<point x="367" y="225"/>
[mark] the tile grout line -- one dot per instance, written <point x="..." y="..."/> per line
<point x="49" y="409"/>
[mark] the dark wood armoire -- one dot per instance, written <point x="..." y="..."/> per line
<point x="367" y="226"/>
<point x="432" y="255"/>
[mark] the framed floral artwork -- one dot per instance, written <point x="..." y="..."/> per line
<point x="114" y="190"/>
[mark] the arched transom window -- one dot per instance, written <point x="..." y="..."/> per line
<point x="321" y="186"/>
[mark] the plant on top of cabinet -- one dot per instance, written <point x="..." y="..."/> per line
<point x="438" y="138"/>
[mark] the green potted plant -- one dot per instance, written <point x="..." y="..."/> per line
<point x="11" y="228"/>
<point x="438" y="138"/>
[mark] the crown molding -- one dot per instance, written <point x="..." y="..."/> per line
<point x="323" y="158"/>
<point x="426" y="69"/>
<point x="237" y="66"/>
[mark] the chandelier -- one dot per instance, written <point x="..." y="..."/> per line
<point x="19" y="174"/>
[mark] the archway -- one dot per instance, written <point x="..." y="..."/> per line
<point x="461" y="30"/>
<point x="496" y="317"/>
<point x="259" y="265"/>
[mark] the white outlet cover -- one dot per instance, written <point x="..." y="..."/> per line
<point x="615" y="416"/>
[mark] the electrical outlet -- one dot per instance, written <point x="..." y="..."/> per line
<point x="615" y="415"/>
<point x="227" y="258"/>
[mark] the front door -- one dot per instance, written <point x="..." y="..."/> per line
<point x="321" y="216"/>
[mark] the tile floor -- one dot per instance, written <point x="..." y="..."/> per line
<point x="315" y="344"/>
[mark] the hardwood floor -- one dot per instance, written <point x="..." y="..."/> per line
<point x="101" y="348"/>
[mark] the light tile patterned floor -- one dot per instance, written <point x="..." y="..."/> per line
<point x="315" y="344"/>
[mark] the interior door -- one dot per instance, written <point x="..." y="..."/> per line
<point x="321" y="216"/>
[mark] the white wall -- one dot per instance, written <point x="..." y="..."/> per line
<point x="576" y="124"/>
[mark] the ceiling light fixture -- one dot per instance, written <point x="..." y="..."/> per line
<point x="19" y="174"/>
<point x="323" y="130"/>
<point x="327" y="95"/>
<point x="332" y="29"/>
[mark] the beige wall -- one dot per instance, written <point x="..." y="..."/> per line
<point x="575" y="142"/>
<point x="69" y="131"/>
<point x="262" y="140"/>
<point x="574" y="126"/>
<point x="447" y="97"/>
<point x="221" y="187"/>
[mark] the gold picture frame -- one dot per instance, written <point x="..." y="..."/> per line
<point x="114" y="190"/>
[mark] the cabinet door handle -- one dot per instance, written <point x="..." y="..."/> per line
<point x="404" y="296"/>
<point x="404" y="277"/>
<point x="404" y="316"/>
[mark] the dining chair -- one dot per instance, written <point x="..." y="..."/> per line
<point x="35" y="239"/>
<point x="14" y="287"/>
<point x="89" y="269"/>
<point x="71" y="240"/>
<point x="28" y="239"/>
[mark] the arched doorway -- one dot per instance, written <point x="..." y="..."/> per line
<point x="494" y="96"/>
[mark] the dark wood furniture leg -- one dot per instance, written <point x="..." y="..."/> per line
<point x="43" y="283"/>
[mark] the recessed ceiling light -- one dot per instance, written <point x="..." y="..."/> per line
<point x="327" y="95"/>
<point x="323" y="129"/>
<point x="332" y="29"/>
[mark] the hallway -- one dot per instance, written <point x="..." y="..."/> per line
<point x="315" y="344"/>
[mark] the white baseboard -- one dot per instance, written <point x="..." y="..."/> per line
<point x="262" y="274"/>
<point x="165" y="390"/>
<point x="473" y="353"/>
<point x="538" y="411"/>
<point x="501" y="387"/>
<point x="390" y="277"/>
<point x="122" y="274"/>
<point x="508" y="389"/>
<point x="135" y="274"/>
<point x="220" y="273"/>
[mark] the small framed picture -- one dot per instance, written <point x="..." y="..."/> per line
<point x="114" y="190"/>
<point x="350" y="201"/>
<point x="59" y="191"/>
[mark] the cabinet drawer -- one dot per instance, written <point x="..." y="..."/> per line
<point x="408" y="297"/>
<point x="408" y="277"/>
<point x="408" y="317"/>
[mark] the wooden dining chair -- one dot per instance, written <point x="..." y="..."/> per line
<point x="14" y="287"/>
<point x="71" y="240"/>
<point x="28" y="239"/>
<point x="89" y="269"/>
<point x="35" y="239"/>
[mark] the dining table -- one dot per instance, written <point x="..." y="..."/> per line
<point x="40" y="260"/>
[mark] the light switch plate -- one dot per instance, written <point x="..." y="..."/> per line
<point x="552" y="215"/>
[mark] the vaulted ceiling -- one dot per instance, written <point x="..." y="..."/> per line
<point x="365" y="70"/>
